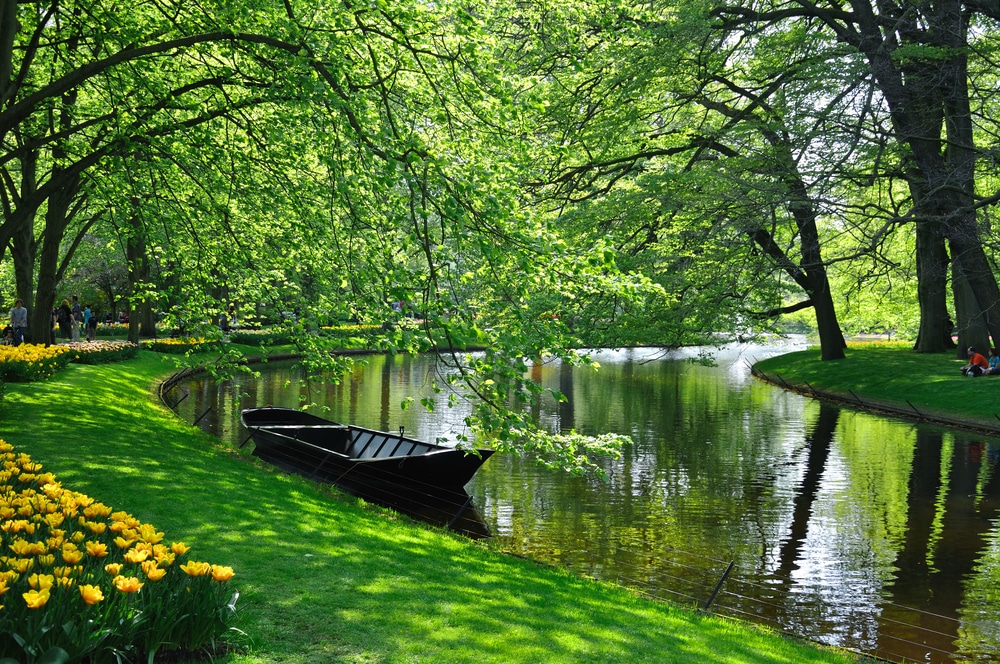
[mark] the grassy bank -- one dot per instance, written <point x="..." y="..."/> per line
<point x="325" y="578"/>
<point x="892" y="375"/>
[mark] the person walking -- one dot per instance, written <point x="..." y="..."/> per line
<point x="77" y="314"/>
<point x="88" y="316"/>
<point x="65" y="317"/>
<point x="18" y="321"/>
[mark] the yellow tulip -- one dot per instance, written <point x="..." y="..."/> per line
<point x="21" y="546"/>
<point x="91" y="594"/>
<point x="113" y="568"/>
<point x="97" y="527"/>
<point x="97" y="549"/>
<point x="147" y="533"/>
<point x="154" y="573"/>
<point x="72" y="557"/>
<point x="193" y="568"/>
<point x="97" y="509"/>
<point x="165" y="558"/>
<point x="135" y="556"/>
<point x="127" y="584"/>
<point x="36" y="599"/>
<point x="179" y="548"/>
<point x="40" y="581"/>
<point x="21" y="565"/>
<point x="220" y="573"/>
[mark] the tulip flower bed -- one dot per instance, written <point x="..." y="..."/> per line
<point x="29" y="362"/>
<point x="81" y="582"/>
<point x="102" y="352"/>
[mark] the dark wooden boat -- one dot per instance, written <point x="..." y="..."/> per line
<point x="357" y="458"/>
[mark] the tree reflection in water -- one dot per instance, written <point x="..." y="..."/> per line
<point x="848" y="528"/>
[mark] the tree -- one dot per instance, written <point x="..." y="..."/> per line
<point x="918" y="57"/>
<point x="381" y="144"/>
<point x="656" y="125"/>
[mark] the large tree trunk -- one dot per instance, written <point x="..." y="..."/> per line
<point x="934" y="335"/>
<point x="929" y="106"/>
<point x="140" y="319"/>
<point x="23" y="235"/>
<point x="48" y="267"/>
<point x="969" y="318"/>
<point x="831" y="339"/>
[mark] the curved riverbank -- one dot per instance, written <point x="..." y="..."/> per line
<point x="890" y="379"/>
<point x="325" y="577"/>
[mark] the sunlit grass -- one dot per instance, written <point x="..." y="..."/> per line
<point x="325" y="578"/>
<point x="83" y="580"/>
<point x="892" y="374"/>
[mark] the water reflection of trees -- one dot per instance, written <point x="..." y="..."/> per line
<point x="839" y="519"/>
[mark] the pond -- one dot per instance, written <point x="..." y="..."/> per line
<point x="851" y="529"/>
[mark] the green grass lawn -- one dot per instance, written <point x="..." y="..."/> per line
<point x="893" y="375"/>
<point x="325" y="578"/>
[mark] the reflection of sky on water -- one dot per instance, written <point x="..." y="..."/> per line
<point x="835" y="519"/>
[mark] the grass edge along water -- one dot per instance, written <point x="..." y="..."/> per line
<point x="326" y="578"/>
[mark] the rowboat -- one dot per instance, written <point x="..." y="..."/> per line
<point x="354" y="457"/>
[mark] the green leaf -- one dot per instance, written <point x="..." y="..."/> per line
<point x="54" y="655"/>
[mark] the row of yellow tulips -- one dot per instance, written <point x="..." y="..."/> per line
<point x="79" y="580"/>
<point x="30" y="362"/>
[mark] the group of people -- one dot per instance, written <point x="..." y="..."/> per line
<point x="982" y="366"/>
<point x="69" y="317"/>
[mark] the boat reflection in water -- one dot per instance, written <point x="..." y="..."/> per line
<point x="419" y="479"/>
<point x="856" y="530"/>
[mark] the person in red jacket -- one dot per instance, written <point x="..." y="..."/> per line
<point x="977" y="366"/>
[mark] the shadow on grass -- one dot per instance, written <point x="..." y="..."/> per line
<point x="324" y="578"/>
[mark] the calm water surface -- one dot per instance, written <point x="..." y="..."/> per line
<point x="850" y="529"/>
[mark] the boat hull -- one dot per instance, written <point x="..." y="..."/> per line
<point x="354" y="456"/>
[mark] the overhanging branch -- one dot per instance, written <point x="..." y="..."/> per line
<point x="791" y="308"/>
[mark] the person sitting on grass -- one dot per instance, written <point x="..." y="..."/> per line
<point x="977" y="366"/>
<point x="994" y="362"/>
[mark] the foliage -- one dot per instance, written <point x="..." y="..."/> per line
<point x="262" y="337"/>
<point x="112" y="329"/>
<point x="96" y="583"/>
<point x="174" y="346"/>
<point x="526" y="177"/>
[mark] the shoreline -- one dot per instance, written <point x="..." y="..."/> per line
<point x="902" y="394"/>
